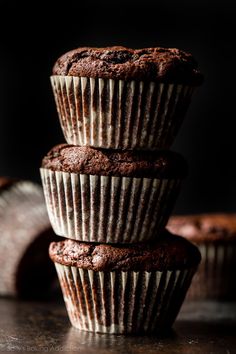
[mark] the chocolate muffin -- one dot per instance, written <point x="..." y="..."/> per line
<point x="118" y="97"/>
<point x="125" y="289"/>
<point x="25" y="234"/>
<point x="215" y="235"/>
<point x="110" y="196"/>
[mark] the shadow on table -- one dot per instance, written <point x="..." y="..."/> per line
<point x="89" y="343"/>
<point x="188" y="337"/>
<point x="45" y="327"/>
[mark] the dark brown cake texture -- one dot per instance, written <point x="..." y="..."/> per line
<point x="155" y="64"/>
<point x="215" y="235"/>
<point x="167" y="253"/>
<point x="103" y="162"/>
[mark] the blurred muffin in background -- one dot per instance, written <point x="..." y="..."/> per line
<point x="215" y="235"/>
<point x="25" y="234"/>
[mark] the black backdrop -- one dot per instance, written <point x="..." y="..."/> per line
<point x="33" y="35"/>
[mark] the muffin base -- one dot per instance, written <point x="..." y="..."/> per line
<point x="123" y="302"/>
<point x="119" y="114"/>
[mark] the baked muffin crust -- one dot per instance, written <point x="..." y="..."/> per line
<point x="168" y="65"/>
<point x="167" y="253"/>
<point x="107" y="162"/>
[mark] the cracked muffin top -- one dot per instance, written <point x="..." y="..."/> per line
<point x="169" y="252"/>
<point x="108" y="162"/>
<point x="168" y="65"/>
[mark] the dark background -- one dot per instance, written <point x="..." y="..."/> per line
<point x="33" y="35"/>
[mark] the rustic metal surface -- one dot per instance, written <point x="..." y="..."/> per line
<point x="44" y="327"/>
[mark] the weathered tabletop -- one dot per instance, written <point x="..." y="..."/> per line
<point x="43" y="327"/>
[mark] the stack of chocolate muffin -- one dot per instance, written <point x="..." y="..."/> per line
<point x="111" y="190"/>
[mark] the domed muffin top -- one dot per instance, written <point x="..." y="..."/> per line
<point x="169" y="65"/>
<point x="168" y="252"/>
<point x="108" y="162"/>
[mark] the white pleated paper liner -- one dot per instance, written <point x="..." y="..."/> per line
<point x="23" y="216"/>
<point x="108" y="209"/>
<point x="123" y="302"/>
<point x="120" y="114"/>
<point x="215" y="278"/>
